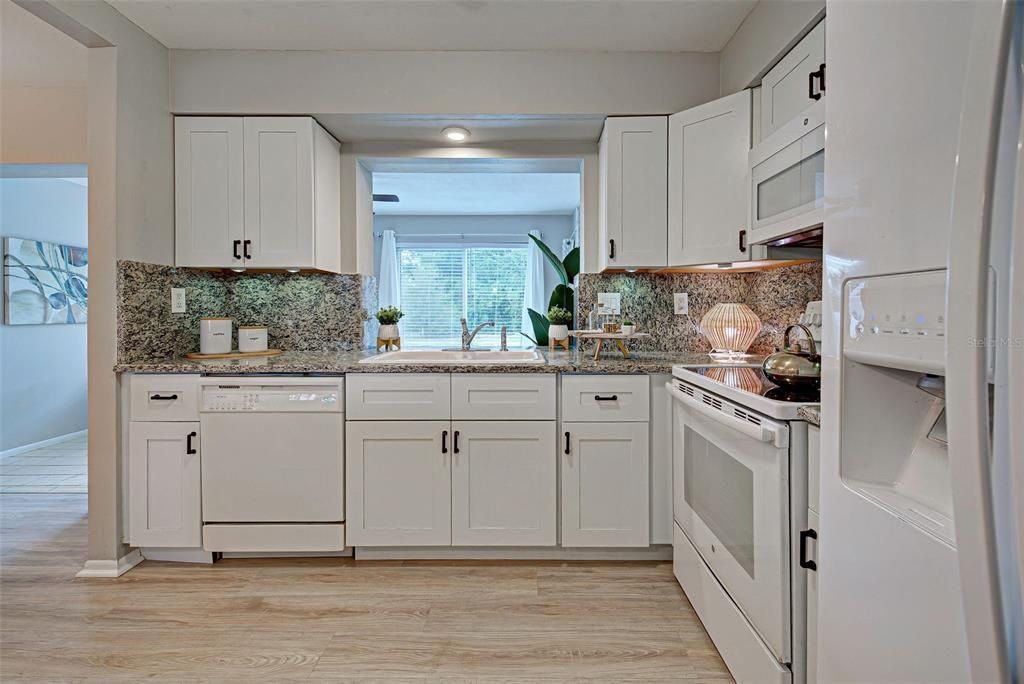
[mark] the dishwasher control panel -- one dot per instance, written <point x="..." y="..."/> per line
<point x="270" y="399"/>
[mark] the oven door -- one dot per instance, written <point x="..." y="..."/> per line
<point x="731" y="498"/>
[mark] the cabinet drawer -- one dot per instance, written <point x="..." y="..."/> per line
<point x="398" y="396"/>
<point x="479" y="396"/>
<point x="164" y="397"/>
<point x="600" y="398"/>
<point x="813" y="466"/>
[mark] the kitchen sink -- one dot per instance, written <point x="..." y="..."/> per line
<point x="426" y="357"/>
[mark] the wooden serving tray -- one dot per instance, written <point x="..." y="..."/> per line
<point x="602" y="336"/>
<point x="196" y="356"/>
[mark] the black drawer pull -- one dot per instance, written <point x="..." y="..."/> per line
<point x="188" y="444"/>
<point x="566" y="442"/>
<point x="235" y="244"/>
<point x="160" y="397"/>
<point x="444" y="442"/>
<point x="245" y="248"/>
<point x="611" y="249"/>
<point x="455" y="442"/>
<point x="598" y="397"/>
<point x="743" y="241"/>
<point x="804" y="536"/>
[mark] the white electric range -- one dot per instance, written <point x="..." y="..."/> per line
<point x="739" y="455"/>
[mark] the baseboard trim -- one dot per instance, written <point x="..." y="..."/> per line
<point x="60" y="439"/>
<point x="176" y="555"/>
<point x="111" y="568"/>
<point x="657" y="552"/>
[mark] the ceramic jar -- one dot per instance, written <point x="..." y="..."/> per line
<point x="558" y="332"/>
<point x="215" y="336"/>
<point x="252" y="338"/>
<point x="388" y="332"/>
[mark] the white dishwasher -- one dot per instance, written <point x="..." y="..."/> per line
<point x="272" y="463"/>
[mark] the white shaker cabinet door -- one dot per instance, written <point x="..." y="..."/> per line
<point x="504" y="485"/>
<point x="208" y="191"/>
<point x="795" y="83"/>
<point x="279" y="192"/>
<point x="633" y="168"/>
<point x="398" y="483"/>
<point x="164" y="503"/>
<point x="605" y="485"/>
<point x="708" y="193"/>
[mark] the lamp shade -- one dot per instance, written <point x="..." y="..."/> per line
<point x="730" y="328"/>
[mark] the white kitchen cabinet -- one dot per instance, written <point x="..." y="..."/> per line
<point x="605" y="484"/>
<point x="398" y="483"/>
<point x="208" y="191"/>
<point x="708" y="151"/>
<point x="813" y="467"/>
<point x="164" y="505"/>
<point x="503" y="396"/>
<point x="812" y="608"/>
<point x="257" y="192"/>
<point x="504" y="483"/>
<point x="795" y="83"/>
<point x="633" y="167"/>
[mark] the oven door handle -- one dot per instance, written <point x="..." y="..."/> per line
<point x="769" y="431"/>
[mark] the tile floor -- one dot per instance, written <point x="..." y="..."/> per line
<point x="55" y="469"/>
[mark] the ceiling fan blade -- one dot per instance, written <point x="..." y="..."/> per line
<point x="385" y="198"/>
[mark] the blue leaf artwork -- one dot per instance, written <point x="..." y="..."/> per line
<point x="45" y="283"/>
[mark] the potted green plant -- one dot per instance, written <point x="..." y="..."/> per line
<point x="562" y="296"/>
<point x="388" y="318"/>
<point x="628" y="327"/>
<point x="559" y="320"/>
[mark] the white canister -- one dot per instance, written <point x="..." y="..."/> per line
<point x="252" y="338"/>
<point x="558" y="332"/>
<point x="215" y="336"/>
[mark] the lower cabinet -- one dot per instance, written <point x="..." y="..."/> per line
<point x="398" y="483"/>
<point x="812" y="609"/>
<point x="503" y="483"/>
<point x="164" y="489"/>
<point x="605" y="490"/>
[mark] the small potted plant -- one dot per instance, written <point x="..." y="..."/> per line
<point x="628" y="328"/>
<point x="388" y="333"/>
<point x="560" y="319"/>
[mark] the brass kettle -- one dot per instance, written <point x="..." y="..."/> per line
<point x="793" y="367"/>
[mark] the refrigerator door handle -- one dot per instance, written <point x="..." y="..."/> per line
<point x="967" y="331"/>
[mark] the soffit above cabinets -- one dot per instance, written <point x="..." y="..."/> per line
<point x="448" y="25"/>
<point x="484" y="129"/>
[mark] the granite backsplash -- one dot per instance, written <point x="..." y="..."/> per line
<point x="778" y="297"/>
<point x="302" y="311"/>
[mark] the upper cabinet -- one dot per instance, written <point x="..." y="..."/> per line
<point x="708" y="149"/>
<point x="633" y="201"/>
<point x="257" y="192"/>
<point x="795" y="83"/>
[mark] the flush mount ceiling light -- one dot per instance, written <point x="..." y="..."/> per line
<point x="456" y="133"/>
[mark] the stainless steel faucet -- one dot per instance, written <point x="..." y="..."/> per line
<point x="467" y="336"/>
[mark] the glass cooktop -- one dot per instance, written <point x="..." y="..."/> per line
<point x="754" y="381"/>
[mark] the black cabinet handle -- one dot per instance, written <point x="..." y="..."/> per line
<point x="444" y="442"/>
<point x="245" y="248"/>
<point x="743" y="241"/>
<point x="598" y="397"/>
<point x="566" y="442"/>
<point x="821" y="78"/>
<point x="161" y="397"/>
<point x="804" y="536"/>
<point x="455" y="442"/>
<point x="188" y="444"/>
<point x="810" y="86"/>
<point x="235" y="244"/>
<point x="611" y="249"/>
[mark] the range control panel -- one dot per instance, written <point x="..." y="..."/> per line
<point x="897" y="320"/>
<point x="267" y="399"/>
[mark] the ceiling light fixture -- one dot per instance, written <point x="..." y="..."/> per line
<point x="456" y="133"/>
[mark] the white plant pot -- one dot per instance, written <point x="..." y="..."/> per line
<point x="558" y="332"/>
<point x="388" y="332"/>
<point x="628" y="329"/>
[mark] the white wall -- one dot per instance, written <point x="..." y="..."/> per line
<point x="282" y="82"/>
<point x="553" y="230"/>
<point x="768" y="32"/>
<point x="42" y="367"/>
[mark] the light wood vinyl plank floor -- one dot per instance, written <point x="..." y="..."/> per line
<point x="329" y="619"/>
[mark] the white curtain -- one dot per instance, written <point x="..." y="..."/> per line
<point x="388" y="293"/>
<point x="534" y="298"/>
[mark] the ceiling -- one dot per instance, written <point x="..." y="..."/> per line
<point x="483" y="129"/>
<point x="477" y="193"/>
<point x="449" y="25"/>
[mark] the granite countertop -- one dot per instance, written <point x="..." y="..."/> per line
<point x="335" y="363"/>
<point x="812" y="414"/>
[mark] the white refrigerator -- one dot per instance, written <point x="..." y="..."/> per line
<point x="921" y="537"/>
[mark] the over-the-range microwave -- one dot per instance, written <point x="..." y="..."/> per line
<point x="787" y="178"/>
